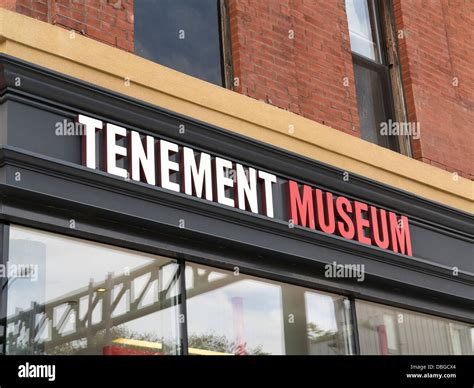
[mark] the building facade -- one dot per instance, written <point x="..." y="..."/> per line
<point x="236" y="177"/>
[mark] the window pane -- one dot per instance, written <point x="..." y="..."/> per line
<point x="387" y="330"/>
<point x="81" y="297"/>
<point x="183" y="35"/>
<point x="371" y="107"/>
<point x="240" y="314"/>
<point x="363" y="28"/>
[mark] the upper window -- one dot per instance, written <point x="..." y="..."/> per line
<point x="371" y="72"/>
<point x="184" y="35"/>
<point x="363" y="28"/>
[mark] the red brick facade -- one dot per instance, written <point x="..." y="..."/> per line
<point x="295" y="54"/>
<point x="438" y="77"/>
<point x="108" y="21"/>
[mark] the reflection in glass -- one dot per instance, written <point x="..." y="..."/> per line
<point x="363" y="28"/>
<point x="387" y="330"/>
<point x="240" y="314"/>
<point x="89" y="298"/>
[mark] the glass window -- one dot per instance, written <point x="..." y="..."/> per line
<point x="371" y="106"/>
<point x="363" y="28"/>
<point x="371" y="73"/>
<point x="230" y="313"/>
<point x="69" y="296"/>
<point x="387" y="330"/>
<point x="184" y="35"/>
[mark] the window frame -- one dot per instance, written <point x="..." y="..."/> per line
<point x="389" y="71"/>
<point x="225" y="45"/>
<point x="383" y="71"/>
<point x="390" y="33"/>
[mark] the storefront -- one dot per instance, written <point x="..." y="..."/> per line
<point x="128" y="228"/>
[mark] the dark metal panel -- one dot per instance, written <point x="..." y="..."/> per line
<point x="58" y="90"/>
<point x="183" y="315"/>
<point x="442" y="248"/>
<point x="35" y="130"/>
<point x="355" y="326"/>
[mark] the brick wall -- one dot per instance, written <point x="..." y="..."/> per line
<point x="437" y="61"/>
<point x="108" y="21"/>
<point x="295" y="54"/>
